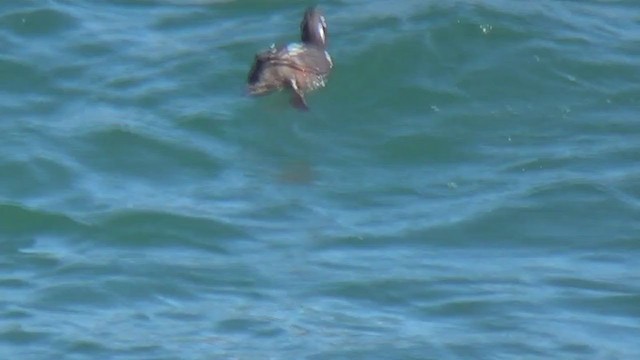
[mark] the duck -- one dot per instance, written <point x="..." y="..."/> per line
<point x="298" y="67"/>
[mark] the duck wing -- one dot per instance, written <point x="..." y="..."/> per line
<point x="297" y="56"/>
<point x="307" y="58"/>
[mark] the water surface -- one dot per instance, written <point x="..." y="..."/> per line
<point x="466" y="187"/>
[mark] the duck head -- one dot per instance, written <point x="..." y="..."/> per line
<point x="313" y="28"/>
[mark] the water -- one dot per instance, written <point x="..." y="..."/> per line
<point x="466" y="187"/>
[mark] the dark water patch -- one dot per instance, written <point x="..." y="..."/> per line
<point x="421" y="149"/>
<point x="31" y="104"/>
<point x="369" y="241"/>
<point x="91" y="348"/>
<point x="627" y="191"/>
<point x="7" y="7"/>
<point x="232" y="280"/>
<point x="35" y="177"/>
<point x="592" y="287"/>
<point x="186" y="19"/>
<point x="558" y="220"/>
<point x="30" y="263"/>
<point x="158" y="229"/>
<point x="271" y="213"/>
<point x="142" y="88"/>
<point x="298" y="173"/>
<point x="146" y="289"/>
<point x="577" y="349"/>
<point x="73" y="296"/>
<point x="88" y="268"/>
<point x="386" y="292"/>
<point x="250" y="327"/>
<point x="17" y="314"/>
<point x="608" y="123"/>
<point x="148" y="275"/>
<point x="472" y="308"/>
<point x="622" y="306"/>
<point x="387" y="350"/>
<point x="594" y="198"/>
<point x="136" y="155"/>
<point x="278" y="9"/>
<point x="121" y="280"/>
<point x="13" y="283"/>
<point x="376" y="68"/>
<point x="92" y="49"/>
<point x="43" y="22"/>
<point x="22" y="222"/>
<point x="601" y="257"/>
<point x="347" y="242"/>
<point x="623" y="99"/>
<point x="132" y="5"/>
<point x="19" y="335"/>
<point x="22" y="77"/>
<point x="202" y="124"/>
<point x="595" y="79"/>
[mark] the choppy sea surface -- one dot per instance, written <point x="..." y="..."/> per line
<point x="467" y="186"/>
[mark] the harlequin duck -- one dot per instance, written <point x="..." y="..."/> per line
<point x="301" y="67"/>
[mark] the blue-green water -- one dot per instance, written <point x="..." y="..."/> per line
<point x="467" y="186"/>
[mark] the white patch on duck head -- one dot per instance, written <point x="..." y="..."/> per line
<point x="322" y="25"/>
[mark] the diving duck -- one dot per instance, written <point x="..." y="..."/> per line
<point x="300" y="67"/>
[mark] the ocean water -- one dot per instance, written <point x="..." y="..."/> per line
<point x="467" y="186"/>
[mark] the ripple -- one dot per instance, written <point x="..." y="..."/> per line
<point x="468" y="176"/>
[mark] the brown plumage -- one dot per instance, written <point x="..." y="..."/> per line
<point x="300" y="67"/>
